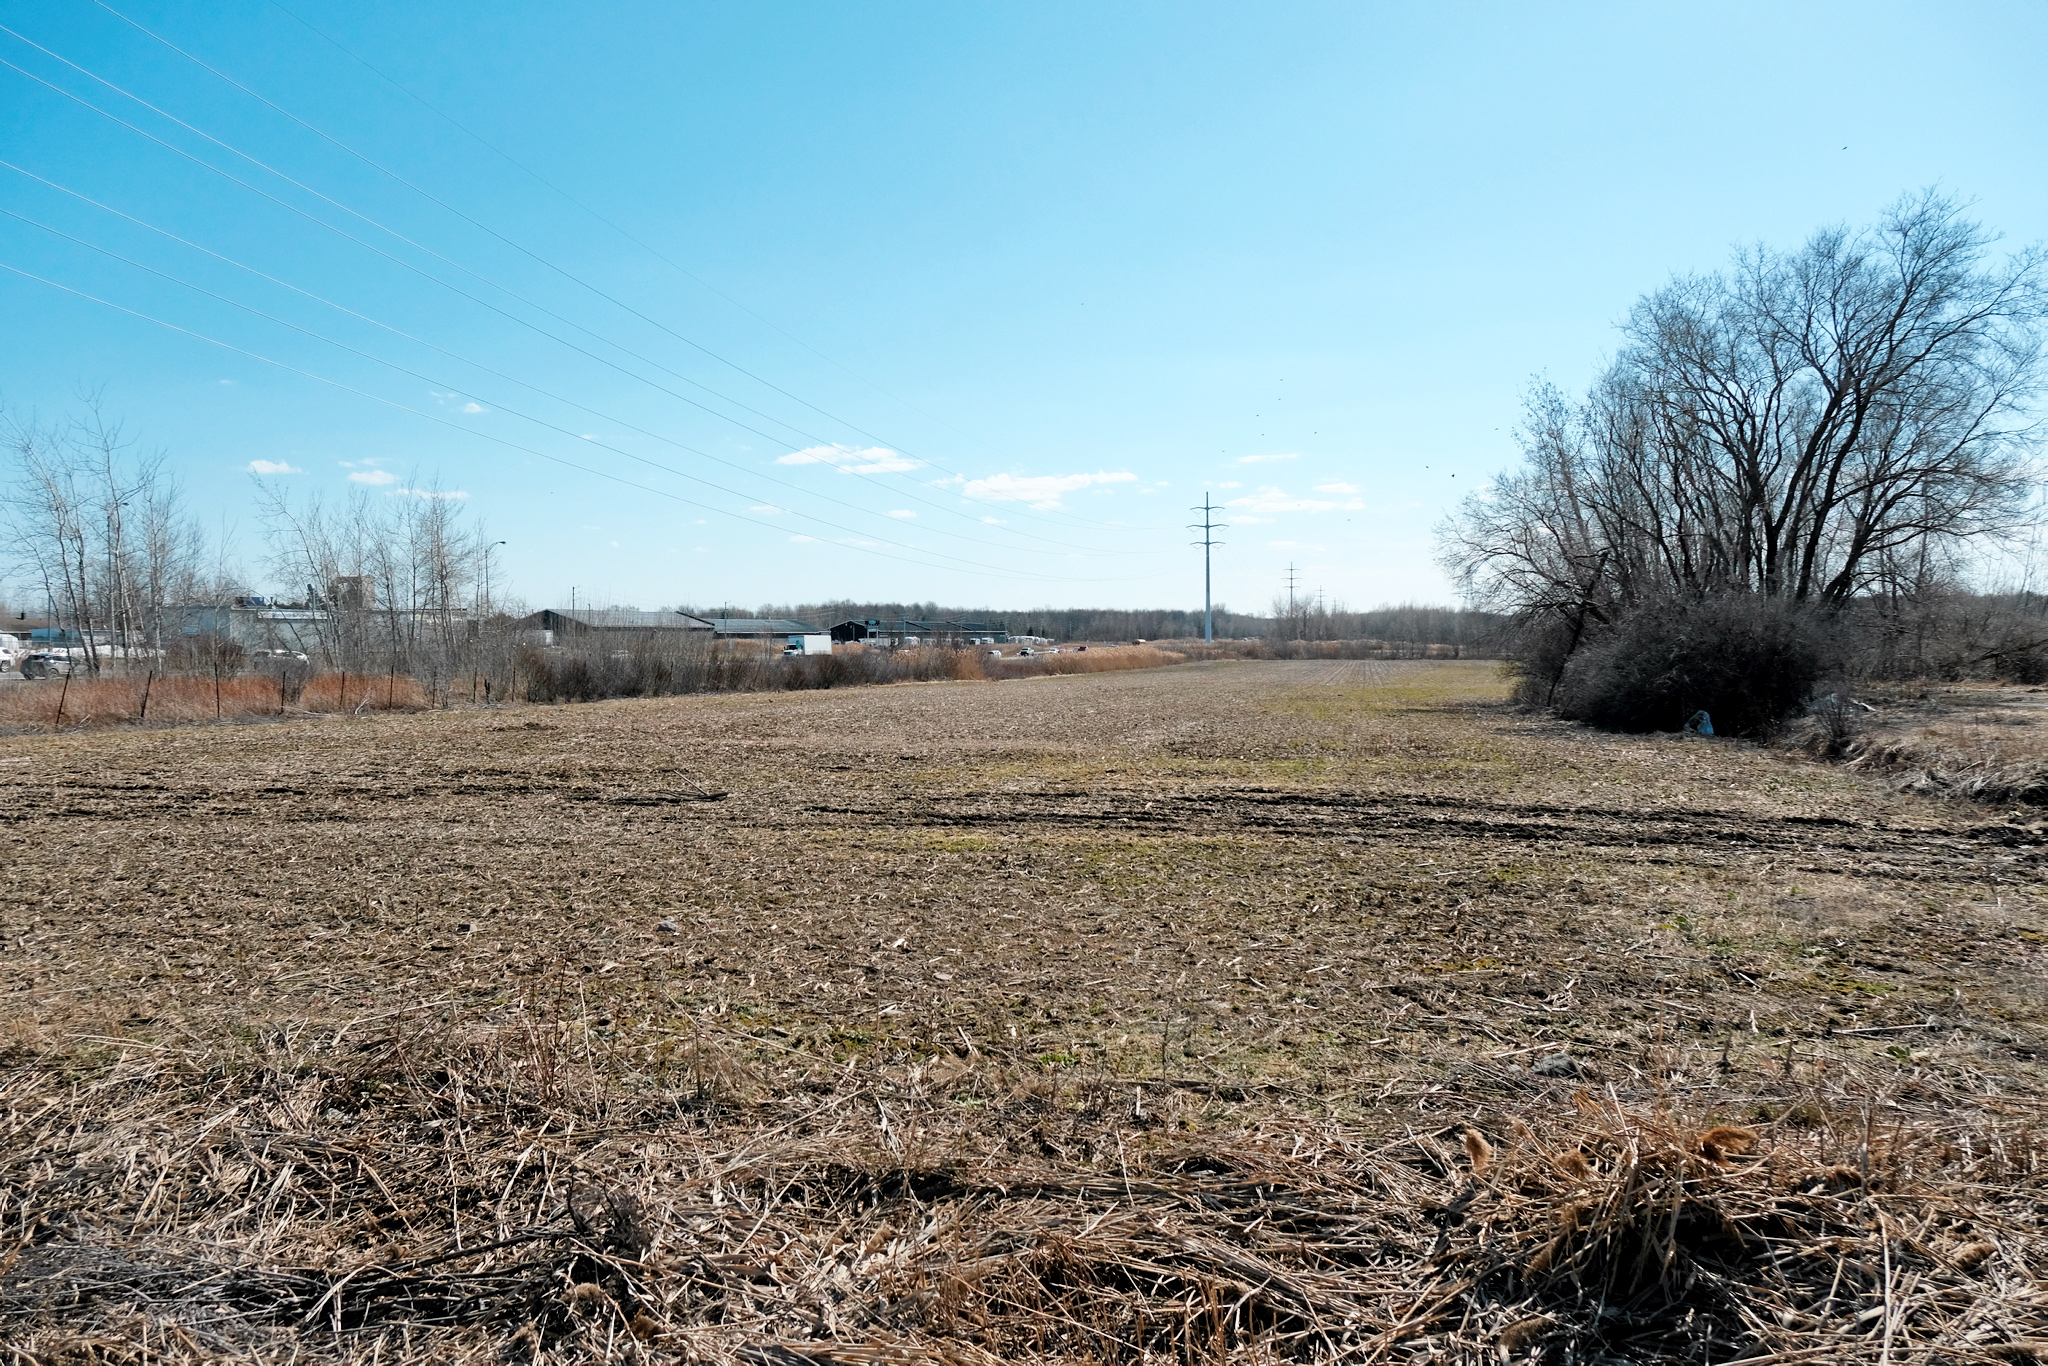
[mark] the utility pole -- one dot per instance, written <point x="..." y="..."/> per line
<point x="1291" y="577"/>
<point x="487" y="572"/>
<point x="1208" y="526"/>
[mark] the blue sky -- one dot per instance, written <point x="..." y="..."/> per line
<point x="976" y="300"/>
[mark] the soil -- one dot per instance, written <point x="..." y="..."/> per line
<point x="1357" y="894"/>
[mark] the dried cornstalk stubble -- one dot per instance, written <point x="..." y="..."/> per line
<point x="449" y="1193"/>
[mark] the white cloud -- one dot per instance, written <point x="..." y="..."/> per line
<point x="1263" y="459"/>
<point x="847" y="460"/>
<point x="803" y="540"/>
<point x="1041" y="491"/>
<point x="768" y="509"/>
<point x="273" y="467"/>
<point x="457" y="402"/>
<point x="1270" y="499"/>
<point x="995" y="521"/>
<point x="1294" y="545"/>
<point x="1338" y="488"/>
<point x="1244" y="519"/>
<point x="431" y="493"/>
<point x="1231" y="484"/>
<point x="373" y="477"/>
<point x="901" y="512"/>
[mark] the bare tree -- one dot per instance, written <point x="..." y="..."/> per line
<point x="395" y="571"/>
<point x="100" y="530"/>
<point x="1792" y="428"/>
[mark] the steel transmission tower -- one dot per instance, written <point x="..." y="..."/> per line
<point x="1208" y="526"/>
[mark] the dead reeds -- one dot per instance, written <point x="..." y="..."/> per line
<point x="1980" y="742"/>
<point x="1090" y="660"/>
<point x="178" y="699"/>
<point x="547" y="1187"/>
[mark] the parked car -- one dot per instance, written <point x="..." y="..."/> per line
<point x="48" y="664"/>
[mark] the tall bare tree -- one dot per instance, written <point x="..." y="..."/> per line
<point x="415" y="557"/>
<point x="1794" y="427"/>
<point x="100" y="531"/>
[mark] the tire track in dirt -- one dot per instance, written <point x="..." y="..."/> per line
<point x="1837" y="844"/>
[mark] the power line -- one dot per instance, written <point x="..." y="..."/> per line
<point x="480" y="226"/>
<point x="1208" y="526"/>
<point x="421" y="341"/>
<point x="513" y="445"/>
<point x="672" y="264"/>
<point x="401" y="237"/>
<point x="426" y="275"/>
<point x="375" y="165"/>
<point x="956" y="561"/>
<point x="430" y="380"/>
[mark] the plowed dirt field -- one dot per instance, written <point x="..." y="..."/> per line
<point x="310" y="1011"/>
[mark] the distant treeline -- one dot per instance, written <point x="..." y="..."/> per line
<point x="1419" y="624"/>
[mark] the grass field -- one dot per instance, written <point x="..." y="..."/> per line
<point x="1240" y="1010"/>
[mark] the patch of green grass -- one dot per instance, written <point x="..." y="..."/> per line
<point x="1852" y="986"/>
<point x="1460" y="965"/>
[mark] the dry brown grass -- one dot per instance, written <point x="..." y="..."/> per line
<point x="1985" y="742"/>
<point x="539" y="1183"/>
<point x="187" y="699"/>
<point x="741" y="666"/>
<point x="1174" y="1015"/>
<point x="1094" y="659"/>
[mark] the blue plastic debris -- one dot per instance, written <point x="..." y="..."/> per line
<point x="1700" y="723"/>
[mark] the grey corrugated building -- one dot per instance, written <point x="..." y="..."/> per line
<point x="254" y="624"/>
<point x="759" y="628"/>
<point x="922" y="632"/>
<point x="582" y="620"/>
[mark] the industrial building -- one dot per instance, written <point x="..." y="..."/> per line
<point x="580" y="621"/>
<point x="557" y="626"/>
<point x="255" y="623"/>
<point x="930" y="632"/>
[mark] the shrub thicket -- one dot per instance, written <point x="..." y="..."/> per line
<point x="1748" y="661"/>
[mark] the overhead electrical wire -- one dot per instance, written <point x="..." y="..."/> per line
<point x="428" y="195"/>
<point x="421" y="341"/>
<point x="442" y="421"/>
<point x="517" y="246"/>
<point x="399" y="236"/>
<point x="957" y="561"/>
<point x="427" y="275"/>
<point x="550" y="185"/>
